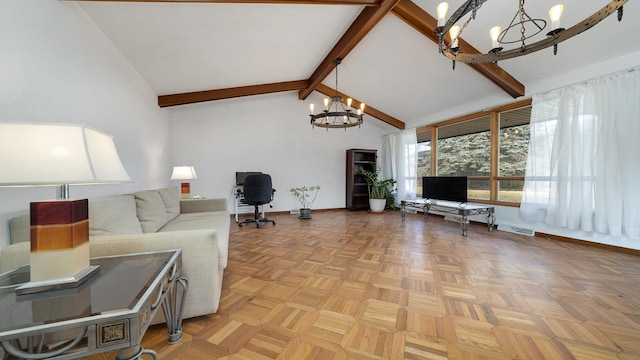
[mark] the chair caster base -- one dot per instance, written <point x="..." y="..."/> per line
<point x="257" y="222"/>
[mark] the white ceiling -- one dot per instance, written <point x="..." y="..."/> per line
<point x="185" y="47"/>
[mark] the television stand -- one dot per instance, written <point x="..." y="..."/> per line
<point x="464" y="210"/>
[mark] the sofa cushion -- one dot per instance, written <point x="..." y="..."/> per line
<point x="150" y="210"/>
<point x="113" y="215"/>
<point x="171" y="198"/>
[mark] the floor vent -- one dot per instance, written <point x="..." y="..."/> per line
<point x="516" y="230"/>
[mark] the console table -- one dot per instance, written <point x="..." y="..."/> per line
<point x="110" y="312"/>
<point x="464" y="210"/>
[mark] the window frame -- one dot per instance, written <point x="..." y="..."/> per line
<point x="494" y="178"/>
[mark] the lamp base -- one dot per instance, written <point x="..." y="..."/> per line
<point x="185" y="190"/>
<point x="71" y="282"/>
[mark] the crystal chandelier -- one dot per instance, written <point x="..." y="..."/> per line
<point x="499" y="37"/>
<point x="336" y="113"/>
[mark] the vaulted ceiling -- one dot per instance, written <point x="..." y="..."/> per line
<point x="207" y="50"/>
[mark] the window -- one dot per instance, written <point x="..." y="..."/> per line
<point x="464" y="149"/>
<point x="489" y="147"/>
<point x="513" y="148"/>
<point x="424" y="157"/>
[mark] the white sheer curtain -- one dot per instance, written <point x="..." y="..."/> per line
<point x="583" y="167"/>
<point x="400" y="162"/>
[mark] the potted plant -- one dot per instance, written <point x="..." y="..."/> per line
<point x="380" y="191"/>
<point x="306" y="195"/>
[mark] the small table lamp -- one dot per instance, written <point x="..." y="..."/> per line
<point x="58" y="155"/>
<point x="184" y="173"/>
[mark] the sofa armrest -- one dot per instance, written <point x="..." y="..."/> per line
<point x="202" y="205"/>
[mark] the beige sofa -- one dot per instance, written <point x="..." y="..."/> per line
<point x="152" y="220"/>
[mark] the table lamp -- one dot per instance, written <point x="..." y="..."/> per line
<point x="58" y="155"/>
<point x="184" y="173"/>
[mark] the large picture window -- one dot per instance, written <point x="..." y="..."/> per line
<point x="488" y="147"/>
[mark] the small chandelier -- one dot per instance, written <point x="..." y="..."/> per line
<point x="337" y="114"/>
<point x="498" y="37"/>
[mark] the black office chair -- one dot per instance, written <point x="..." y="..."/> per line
<point x="257" y="191"/>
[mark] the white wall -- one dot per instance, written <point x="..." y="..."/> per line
<point x="268" y="133"/>
<point x="56" y="66"/>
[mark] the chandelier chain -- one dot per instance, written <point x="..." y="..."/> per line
<point x="337" y="79"/>
<point x="523" y="36"/>
<point x="476" y="7"/>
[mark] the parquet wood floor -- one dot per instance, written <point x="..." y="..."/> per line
<point x="353" y="285"/>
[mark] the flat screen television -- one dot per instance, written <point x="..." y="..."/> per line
<point x="451" y="188"/>
<point x="240" y="176"/>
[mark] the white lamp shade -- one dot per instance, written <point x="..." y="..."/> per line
<point x="183" y="173"/>
<point x="55" y="154"/>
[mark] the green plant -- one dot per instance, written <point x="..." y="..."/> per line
<point x="379" y="189"/>
<point x="304" y="193"/>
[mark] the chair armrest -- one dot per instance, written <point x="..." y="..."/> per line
<point x="202" y="205"/>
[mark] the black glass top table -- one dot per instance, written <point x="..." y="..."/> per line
<point x="462" y="209"/>
<point x="111" y="311"/>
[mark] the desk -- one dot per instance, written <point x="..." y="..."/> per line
<point x="451" y="207"/>
<point x="110" y="312"/>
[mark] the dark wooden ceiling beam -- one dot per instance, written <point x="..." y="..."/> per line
<point x="295" y="2"/>
<point x="420" y="20"/>
<point x="227" y="93"/>
<point x="323" y="89"/>
<point x="368" y="18"/>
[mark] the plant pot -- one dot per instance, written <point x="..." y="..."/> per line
<point x="305" y="214"/>
<point x="377" y="205"/>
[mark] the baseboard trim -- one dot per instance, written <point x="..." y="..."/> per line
<point x="619" y="249"/>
